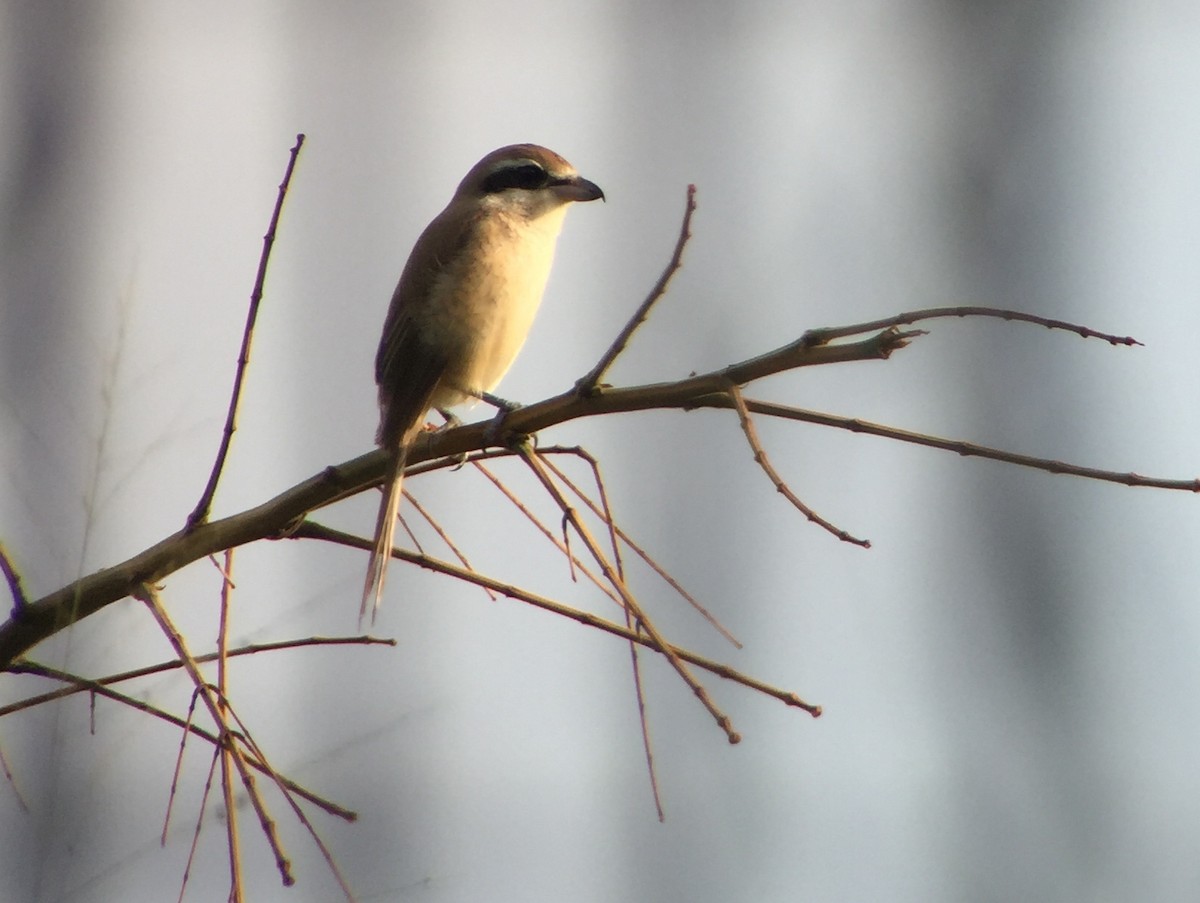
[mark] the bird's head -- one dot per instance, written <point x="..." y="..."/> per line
<point x="526" y="178"/>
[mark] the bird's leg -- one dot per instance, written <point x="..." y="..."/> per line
<point x="494" y="432"/>
<point x="452" y="422"/>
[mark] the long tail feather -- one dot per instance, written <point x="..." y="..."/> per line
<point x="385" y="531"/>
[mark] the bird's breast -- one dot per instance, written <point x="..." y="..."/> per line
<point x="484" y="303"/>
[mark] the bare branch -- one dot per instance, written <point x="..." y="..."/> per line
<point x="628" y="540"/>
<point x="589" y="382"/>
<point x="295" y="807"/>
<point x="959" y="447"/>
<point x="760" y="458"/>
<point x="631" y="604"/>
<point x="547" y="533"/>
<point x="442" y="534"/>
<point x="232" y="843"/>
<point x="821" y="336"/>
<point x="191" y="858"/>
<point x="313" y="530"/>
<point x="276" y="517"/>
<point x="12" y="781"/>
<point x="200" y="513"/>
<point x="178" y="770"/>
<point x="604" y="512"/>
<point x="15" y="589"/>
<point x="149" y="595"/>
<point x="84" y="685"/>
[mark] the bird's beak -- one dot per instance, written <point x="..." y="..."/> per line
<point x="577" y="188"/>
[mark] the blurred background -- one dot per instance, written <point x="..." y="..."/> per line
<point x="1010" y="675"/>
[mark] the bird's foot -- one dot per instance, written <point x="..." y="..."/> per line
<point x="452" y="422"/>
<point x="494" y="434"/>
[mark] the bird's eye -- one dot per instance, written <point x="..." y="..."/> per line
<point x="523" y="175"/>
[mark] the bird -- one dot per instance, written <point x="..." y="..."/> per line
<point x="463" y="306"/>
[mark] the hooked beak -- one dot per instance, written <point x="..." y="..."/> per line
<point x="577" y="188"/>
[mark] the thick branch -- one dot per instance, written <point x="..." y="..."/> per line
<point x="46" y="616"/>
<point x="272" y="519"/>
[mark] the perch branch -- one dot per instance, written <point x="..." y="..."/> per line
<point x="276" y="517"/>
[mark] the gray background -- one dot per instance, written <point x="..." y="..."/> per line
<point x="1010" y="676"/>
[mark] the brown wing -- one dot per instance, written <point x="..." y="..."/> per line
<point x="407" y="368"/>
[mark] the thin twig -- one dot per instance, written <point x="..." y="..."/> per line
<point x="639" y="694"/>
<point x="200" y="514"/>
<point x="604" y="512"/>
<point x="546" y="532"/>
<point x="83" y="684"/>
<point x="561" y="546"/>
<point x="408" y="530"/>
<point x="445" y="537"/>
<point x="227" y="765"/>
<point x="12" y="781"/>
<point x="178" y="770"/>
<point x="760" y="458"/>
<point x="588" y="383"/>
<point x="826" y="334"/>
<point x="310" y="529"/>
<point x="149" y="595"/>
<point x="658" y="642"/>
<point x="191" y="857"/>
<point x="15" y="589"/>
<point x="629" y="541"/>
<point x="296" y="810"/>
<point x="957" y="446"/>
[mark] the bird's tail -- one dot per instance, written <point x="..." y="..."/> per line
<point x="385" y="531"/>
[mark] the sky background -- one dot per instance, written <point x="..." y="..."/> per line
<point x="1010" y="675"/>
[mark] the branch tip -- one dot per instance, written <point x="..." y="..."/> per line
<point x="585" y="385"/>
<point x="200" y="513"/>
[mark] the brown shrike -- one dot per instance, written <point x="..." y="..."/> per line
<point x="464" y="304"/>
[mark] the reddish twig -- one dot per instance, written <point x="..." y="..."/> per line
<point x="615" y="581"/>
<point x="84" y="685"/>
<point x="309" y="529"/>
<point x="227" y="764"/>
<point x="443" y="535"/>
<point x="149" y="595"/>
<point x="826" y="334"/>
<point x="178" y="770"/>
<point x="573" y="561"/>
<point x="15" y="589"/>
<point x="296" y="810"/>
<point x="628" y="540"/>
<point x="191" y="857"/>
<point x="200" y="513"/>
<point x="760" y="458"/>
<point x="958" y="447"/>
<point x="12" y="781"/>
<point x="604" y="512"/>
<point x="589" y="382"/>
